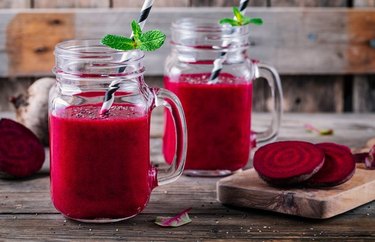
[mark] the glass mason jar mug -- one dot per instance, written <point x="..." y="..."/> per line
<point x="100" y="164"/>
<point x="218" y="103"/>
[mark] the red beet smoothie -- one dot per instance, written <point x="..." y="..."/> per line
<point x="218" y="120"/>
<point x="100" y="166"/>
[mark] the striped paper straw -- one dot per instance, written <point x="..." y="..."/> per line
<point x="115" y="85"/>
<point x="218" y="63"/>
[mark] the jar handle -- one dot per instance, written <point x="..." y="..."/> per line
<point x="273" y="79"/>
<point x="170" y="101"/>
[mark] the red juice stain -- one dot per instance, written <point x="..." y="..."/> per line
<point x="100" y="166"/>
<point x="218" y="120"/>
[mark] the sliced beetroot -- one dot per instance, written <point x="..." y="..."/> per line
<point x="339" y="166"/>
<point x="370" y="159"/>
<point x="21" y="153"/>
<point x="360" y="157"/>
<point x="288" y="162"/>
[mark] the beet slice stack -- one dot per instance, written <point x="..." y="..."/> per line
<point x="288" y="162"/>
<point x="21" y="153"/>
<point x="339" y="166"/>
<point x="298" y="162"/>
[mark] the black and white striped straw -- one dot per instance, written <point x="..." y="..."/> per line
<point x="115" y="85"/>
<point x="218" y="63"/>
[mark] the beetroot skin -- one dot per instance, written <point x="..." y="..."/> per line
<point x="339" y="166"/>
<point x="288" y="162"/>
<point x="21" y="153"/>
<point x="370" y="159"/>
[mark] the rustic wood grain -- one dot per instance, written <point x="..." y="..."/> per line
<point x="158" y="3"/>
<point x="71" y="3"/>
<point x="26" y="212"/>
<point x="361" y="52"/>
<point x="364" y="3"/>
<point x="364" y="94"/>
<point x="246" y="189"/>
<point x="15" y="3"/>
<point x="31" y="39"/>
<point x="296" y="98"/>
<point x="309" y="3"/>
<point x="224" y="227"/>
<point x="364" y="86"/>
<point x="314" y="41"/>
<point x="302" y="94"/>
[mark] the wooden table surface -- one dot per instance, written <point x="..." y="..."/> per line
<point x="26" y="211"/>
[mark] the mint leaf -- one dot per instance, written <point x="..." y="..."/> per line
<point x="256" y="21"/>
<point x="148" y="41"/>
<point x="137" y="31"/>
<point x="229" y="21"/>
<point x="237" y="14"/>
<point x="240" y="19"/>
<point x="118" y="42"/>
<point x="151" y="40"/>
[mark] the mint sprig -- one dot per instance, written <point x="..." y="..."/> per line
<point x="240" y="20"/>
<point x="148" y="41"/>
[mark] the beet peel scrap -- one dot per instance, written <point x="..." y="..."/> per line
<point x="370" y="159"/>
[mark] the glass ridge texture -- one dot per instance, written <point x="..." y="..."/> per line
<point x="100" y="164"/>
<point x="218" y="112"/>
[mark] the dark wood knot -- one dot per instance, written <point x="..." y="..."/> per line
<point x="55" y="22"/>
<point x="41" y="49"/>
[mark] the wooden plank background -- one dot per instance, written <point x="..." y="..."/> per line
<point x="313" y="41"/>
<point x="70" y="4"/>
<point x="325" y="51"/>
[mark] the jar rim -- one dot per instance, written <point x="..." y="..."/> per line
<point x="208" y="25"/>
<point x="81" y="48"/>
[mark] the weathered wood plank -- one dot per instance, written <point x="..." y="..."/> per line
<point x="28" y="52"/>
<point x="240" y="227"/>
<point x="4" y="22"/>
<point x="334" y="85"/>
<point x="15" y="4"/>
<point x="158" y="3"/>
<point x="309" y="3"/>
<point x="364" y="94"/>
<point x="364" y="3"/>
<point x="304" y="94"/>
<point x="71" y="3"/>
<point x="314" y="41"/>
<point x="364" y="86"/>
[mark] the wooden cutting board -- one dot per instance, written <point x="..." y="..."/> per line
<point x="246" y="189"/>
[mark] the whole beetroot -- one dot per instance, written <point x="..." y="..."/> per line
<point x="21" y="152"/>
<point x="32" y="108"/>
